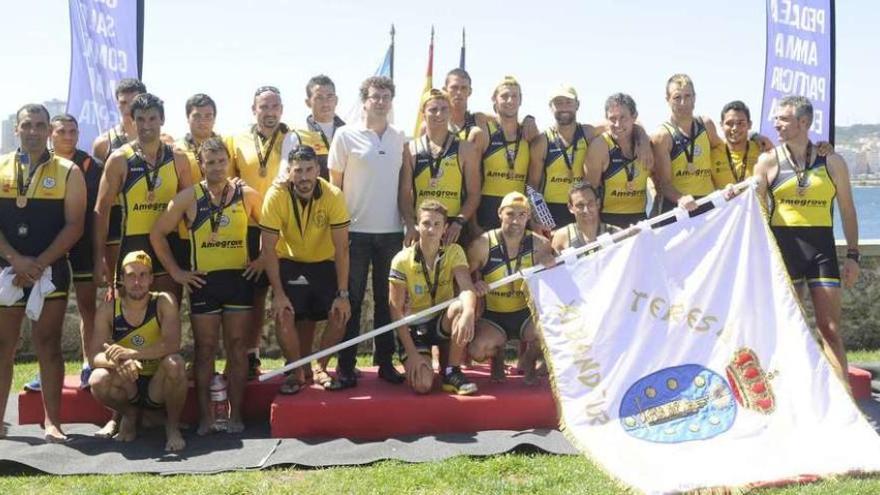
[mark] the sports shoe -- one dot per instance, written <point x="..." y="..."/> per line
<point x="457" y="383"/>
<point x="34" y="385"/>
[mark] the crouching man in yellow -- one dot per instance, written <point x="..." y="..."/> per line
<point x="134" y="353"/>
<point x="423" y="275"/>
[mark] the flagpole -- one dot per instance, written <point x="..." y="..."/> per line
<point x="392" y="52"/>
<point x="461" y="57"/>
<point x="717" y="197"/>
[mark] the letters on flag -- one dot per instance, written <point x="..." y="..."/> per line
<point x="681" y="359"/>
<point x="104" y="49"/>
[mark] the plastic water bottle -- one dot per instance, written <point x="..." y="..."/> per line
<point x="540" y="209"/>
<point x="219" y="402"/>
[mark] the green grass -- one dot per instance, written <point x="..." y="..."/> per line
<point x="508" y="473"/>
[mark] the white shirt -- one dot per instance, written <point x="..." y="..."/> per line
<point x="370" y="166"/>
<point x="291" y="141"/>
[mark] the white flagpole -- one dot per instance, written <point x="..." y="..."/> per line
<point x="717" y="197"/>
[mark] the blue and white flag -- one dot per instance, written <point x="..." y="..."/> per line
<point x="104" y="49"/>
<point x="800" y="61"/>
<point x="681" y="359"/>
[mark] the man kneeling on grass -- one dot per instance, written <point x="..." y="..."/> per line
<point x="422" y="276"/>
<point x="134" y="353"/>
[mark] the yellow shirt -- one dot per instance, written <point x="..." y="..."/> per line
<point x="563" y="167"/>
<point x="227" y="250"/>
<point x="304" y="229"/>
<point x="624" y="182"/>
<point x="146" y="334"/>
<point x="443" y="181"/>
<point x="730" y="167"/>
<point x="813" y="206"/>
<point x="140" y="209"/>
<point x="510" y="297"/>
<point x="32" y="228"/>
<point x="695" y="179"/>
<point x="407" y="269"/>
<point x="249" y="148"/>
<point x="498" y="178"/>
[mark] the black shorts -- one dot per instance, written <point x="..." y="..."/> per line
<point x="560" y="214"/>
<point x="180" y="249"/>
<point x="426" y="335"/>
<point x="140" y="242"/>
<point x="512" y="325"/>
<point x="142" y="395"/>
<point x="81" y="258"/>
<point x="622" y="220"/>
<point x="114" y="233"/>
<point x="487" y="212"/>
<point x="224" y="290"/>
<point x="311" y="287"/>
<point x="60" y="279"/>
<point x="253" y="244"/>
<point x="809" y="253"/>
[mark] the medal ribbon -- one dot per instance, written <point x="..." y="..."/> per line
<point x="737" y="176"/>
<point x="313" y="125"/>
<point x="629" y="165"/>
<point x="569" y="159"/>
<point x="800" y="173"/>
<point x="268" y="149"/>
<point x="22" y="169"/>
<point x="432" y="286"/>
<point x="215" y="212"/>
<point x="152" y="172"/>
<point x="511" y="159"/>
<point x="435" y="160"/>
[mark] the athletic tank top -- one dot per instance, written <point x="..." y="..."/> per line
<point x="624" y="182"/>
<point x="730" y="166"/>
<point x="30" y="224"/>
<point x="498" y="178"/>
<point x="809" y="203"/>
<point x="464" y="131"/>
<point x="440" y="179"/>
<point x="139" y="336"/>
<point x="141" y="208"/>
<point x="563" y="165"/>
<point x="227" y="250"/>
<point x="188" y="146"/>
<point x="510" y="297"/>
<point x="695" y="179"/>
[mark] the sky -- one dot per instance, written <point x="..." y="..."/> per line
<point x="227" y="48"/>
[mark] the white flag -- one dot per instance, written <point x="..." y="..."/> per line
<point x="681" y="360"/>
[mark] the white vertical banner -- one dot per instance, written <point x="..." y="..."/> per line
<point x="681" y="360"/>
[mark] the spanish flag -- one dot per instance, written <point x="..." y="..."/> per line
<point x="429" y="83"/>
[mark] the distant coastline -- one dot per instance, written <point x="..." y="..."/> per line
<point x="865" y="182"/>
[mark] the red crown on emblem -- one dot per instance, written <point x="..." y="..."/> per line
<point x="751" y="386"/>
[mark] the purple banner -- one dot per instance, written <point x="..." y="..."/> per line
<point x="800" y="61"/>
<point x="104" y="49"/>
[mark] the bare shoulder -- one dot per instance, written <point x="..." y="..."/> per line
<point x="166" y="302"/>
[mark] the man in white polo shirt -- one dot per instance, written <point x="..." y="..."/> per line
<point x="365" y="160"/>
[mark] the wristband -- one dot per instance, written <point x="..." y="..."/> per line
<point x="853" y="254"/>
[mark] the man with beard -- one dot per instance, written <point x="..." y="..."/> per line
<point x="443" y="167"/>
<point x="64" y="138"/>
<point x="146" y="173"/>
<point x="135" y="353"/>
<point x="43" y="202"/>
<point x="305" y="231"/>
<point x="257" y="160"/>
<point x="802" y="186"/>
<point x="216" y="212"/>
<point x="614" y="164"/>
<point x="492" y="256"/>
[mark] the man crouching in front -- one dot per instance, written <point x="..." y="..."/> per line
<point x="134" y="353"/>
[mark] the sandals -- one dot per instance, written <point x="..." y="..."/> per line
<point x="325" y="381"/>
<point x="290" y="386"/>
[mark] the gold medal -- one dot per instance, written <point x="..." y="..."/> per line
<point x="263" y="172"/>
<point x="21" y="201"/>
<point x="691" y="168"/>
<point x="214" y="236"/>
<point x="629" y="186"/>
<point x="151" y="196"/>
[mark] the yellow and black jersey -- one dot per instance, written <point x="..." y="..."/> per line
<point x="189" y="147"/>
<point x="504" y="164"/>
<point x="146" y="334"/>
<point x="804" y="199"/>
<point x="463" y="132"/>
<point x="257" y="157"/>
<point x="439" y="178"/>
<point x="427" y="285"/>
<point x="563" y="165"/>
<point x="32" y="201"/>
<point x="624" y="182"/>
<point x="146" y="191"/>
<point x="319" y="140"/>
<point x="304" y="228"/>
<point x="115" y="140"/>
<point x="691" y="159"/>
<point x="218" y="234"/>
<point x="499" y="264"/>
<point x="731" y="166"/>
